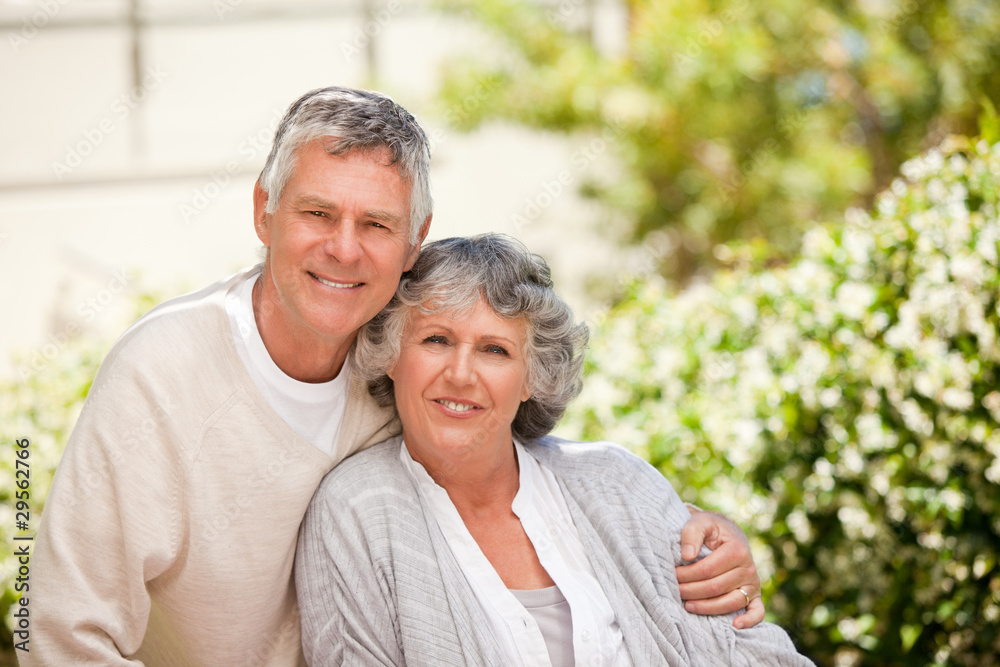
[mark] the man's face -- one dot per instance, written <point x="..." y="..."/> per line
<point x="338" y="242"/>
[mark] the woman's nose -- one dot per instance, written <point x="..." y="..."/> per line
<point x="461" y="367"/>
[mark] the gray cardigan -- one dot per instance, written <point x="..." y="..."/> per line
<point x="378" y="584"/>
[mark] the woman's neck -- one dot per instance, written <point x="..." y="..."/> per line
<point x="479" y="488"/>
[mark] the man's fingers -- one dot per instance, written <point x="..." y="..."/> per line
<point x="727" y="558"/>
<point x="724" y="581"/>
<point x="729" y="603"/>
<point x="719" y="586"/>
<point x="694" y="533"/>
<point x="752" y="616"/>
<point x="723" y="604"/>
<point x="724" y="531"/>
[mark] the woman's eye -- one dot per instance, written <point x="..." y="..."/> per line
<point x="496" y="349"/>
<point x="435" y="339"/>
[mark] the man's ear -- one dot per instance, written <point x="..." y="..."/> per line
<point x="391" y="371"/>
<point x="260" y="215"/>
<point x="414" y="252"/>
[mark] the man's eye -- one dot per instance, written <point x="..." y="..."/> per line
<point x="318" y="214"/>
<point x="378" y="225"/>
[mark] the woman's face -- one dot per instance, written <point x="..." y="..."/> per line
<point x="458" y="385"/>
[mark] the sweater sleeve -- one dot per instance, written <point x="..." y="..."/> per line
<point x="109" y="526"/>
<point x="347" y="619"/>
<point x="708" y="637"/>
<point x="632" y="518"/>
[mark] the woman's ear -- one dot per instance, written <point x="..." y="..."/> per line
<point x="525" y="392"/>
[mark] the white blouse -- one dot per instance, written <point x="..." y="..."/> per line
<point x="539" y="504"/>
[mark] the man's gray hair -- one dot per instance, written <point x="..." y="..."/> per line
<point x="352" y="119"/>
<point x="451" y="276"/>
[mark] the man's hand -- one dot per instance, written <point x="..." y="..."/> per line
<point x="712" y="585"/>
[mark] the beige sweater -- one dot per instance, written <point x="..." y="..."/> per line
<point x="169" y="533"/>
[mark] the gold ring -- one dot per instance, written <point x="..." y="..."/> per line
<point x="744" y="595"/>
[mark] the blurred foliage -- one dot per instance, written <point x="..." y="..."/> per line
<point x="735" y="119"/>
<point x="40" y="404"/>
<point x="844" y="408"/>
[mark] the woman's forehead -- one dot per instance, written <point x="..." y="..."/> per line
<point x="478" y="313"/>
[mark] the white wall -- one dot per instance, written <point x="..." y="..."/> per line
<point x="104" y="184"/>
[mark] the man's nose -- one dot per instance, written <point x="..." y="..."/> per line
<point x="344" y="243"/>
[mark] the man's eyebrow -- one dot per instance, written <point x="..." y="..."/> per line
<point x="384" y="216"/>
<point x="313" y="201"/>
<point x="375" y="214"/>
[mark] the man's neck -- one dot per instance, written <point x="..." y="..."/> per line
<point x="299" y="355"/>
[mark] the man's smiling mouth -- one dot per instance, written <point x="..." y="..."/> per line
<point x="333" y="284"/>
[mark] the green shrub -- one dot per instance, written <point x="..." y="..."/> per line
<point x="40" y="405"/>
<point x="845" y="409"/>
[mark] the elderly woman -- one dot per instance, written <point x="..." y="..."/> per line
<point x="477" y="539"/>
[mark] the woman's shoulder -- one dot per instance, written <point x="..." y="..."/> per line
<point x="575" y="457"/>
<point x="605" y="474"/>
<point x="358" y="476"/>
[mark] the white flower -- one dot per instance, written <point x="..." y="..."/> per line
<point x="854" y="299"/>
<point x="957" y="399"/>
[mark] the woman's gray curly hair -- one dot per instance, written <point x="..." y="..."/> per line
<point x="451" y="275"/>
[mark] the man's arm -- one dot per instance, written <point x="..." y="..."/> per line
<point x="656" y="542"/>
<point x="106" y="529"/>
<point x="711" y="586"/>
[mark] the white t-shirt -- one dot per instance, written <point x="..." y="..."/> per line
<point x="539" y="504"/>
<point x="314" y="410"/>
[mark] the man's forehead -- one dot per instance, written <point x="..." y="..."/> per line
<point x="381" y="154"/>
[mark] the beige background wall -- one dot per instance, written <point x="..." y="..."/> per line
<point x="129" y="144"/>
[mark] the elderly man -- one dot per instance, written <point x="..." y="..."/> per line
<point x="170" y="530"/>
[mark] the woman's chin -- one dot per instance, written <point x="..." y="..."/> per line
<point x="455" y="449"/>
